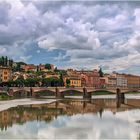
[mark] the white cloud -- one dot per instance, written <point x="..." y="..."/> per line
<point x="137" y="15"/>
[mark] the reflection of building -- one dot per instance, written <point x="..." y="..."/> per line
<point x="5" y="120"/>
<point x="5" y="74"/>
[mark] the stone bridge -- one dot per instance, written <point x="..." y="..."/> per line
<point x="59" y="92"/>
<point x="79" y="89"/>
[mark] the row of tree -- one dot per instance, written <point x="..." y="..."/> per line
<point x="32" y="82"/>
<point x="5" y="61"/>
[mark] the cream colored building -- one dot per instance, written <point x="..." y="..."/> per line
<point x="121" y="80"/>
<point x="110" y="80"/>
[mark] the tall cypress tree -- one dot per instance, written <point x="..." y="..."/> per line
<point x="6" y="61"/>
<point x="2" y="60"/>
<point x="101" y="72"/>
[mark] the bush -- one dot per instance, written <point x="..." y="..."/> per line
<point x="4" y="96"/>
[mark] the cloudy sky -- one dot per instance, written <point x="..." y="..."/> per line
<point x="72" y="34"/>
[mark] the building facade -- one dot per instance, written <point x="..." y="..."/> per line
<point x="121" y="80"/>
<point x="5" y="74"/>
<point x="102" y="82"/>
<point x="133" y="81"/>
<point x="29" y="67"/>
<point x="90" y="78"/>
<point x="110" y="80"/>
<point x="75" y="82"/>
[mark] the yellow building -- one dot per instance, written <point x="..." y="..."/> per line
<point x="5" y="74"/>
<point x="75" y="81"/>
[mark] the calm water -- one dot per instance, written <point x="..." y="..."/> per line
<point x="98" y="118"/>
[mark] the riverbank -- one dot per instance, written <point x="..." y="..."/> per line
<point x="13" y="103"/>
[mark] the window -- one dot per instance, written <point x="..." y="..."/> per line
<point x="5" y="72"/>
<point x="5" y="78"/>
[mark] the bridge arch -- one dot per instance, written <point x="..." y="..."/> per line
<point x="44" y="92"/>
<point x="103" y="91"/>
<point x="71" y="92"/>
<point x="21" y="93"/>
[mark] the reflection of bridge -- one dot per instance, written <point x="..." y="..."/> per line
<point x="59" y="92"/>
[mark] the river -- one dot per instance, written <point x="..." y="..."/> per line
<point x="98" y="118"/>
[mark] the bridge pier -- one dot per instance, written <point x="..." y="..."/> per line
<point x="31" y="92"/>
<point x="120" y="97"/>
<point x="58" y="94"/>
<point x="86" y="95"/>
<point x="10" y="92"/>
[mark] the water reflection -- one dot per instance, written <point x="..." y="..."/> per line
<point x="97" y="118"/>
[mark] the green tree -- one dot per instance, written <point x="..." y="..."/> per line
<point x="55" y="82"/>
<point x="10" y="83"/>
<point x="68" y="82"/>
<point x="10" y="62"/>
<point x="101" y="72"/>
<point x="20" y="81"/>
<point x="6" y="61"/>
<point x="2" y="60"/>
<point x="38" y="69"/>
<point x="46" y="82"/>
<point x="39" y="73"/>
<point x="48" y="66"/>
<point x="51" y="81"/>
<point x="18" y="66"/>
<point x="30" y="82"/>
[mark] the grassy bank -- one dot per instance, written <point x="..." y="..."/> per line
<point x="102" y="93"/>
<point x="4" y="96"/>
